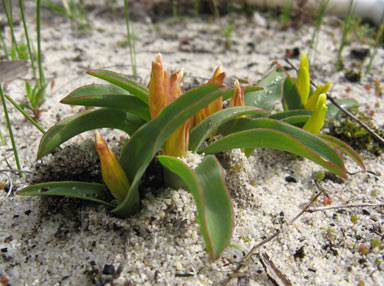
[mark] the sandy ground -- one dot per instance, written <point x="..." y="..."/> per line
<point x="66" y="242"/>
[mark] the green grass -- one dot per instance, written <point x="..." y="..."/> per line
<point x="131" y="39"/>
<point x="315" y="36"/>
<point x="346" y="30"/>
<point x="23" y="51"/>
<point x="378" y="42"/>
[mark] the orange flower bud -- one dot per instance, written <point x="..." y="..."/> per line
<point x="178" y="142"/>
<point x="238" y="98"/>
<point x="112" y="172"/>
<point x="163" y="89"/>
<point x="215" y="106"/>
<point x="217" y="78"/>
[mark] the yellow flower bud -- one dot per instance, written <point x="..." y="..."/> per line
<point x="311" y="104"/>
<point x="303" y="80"/>
<point x="112" y="172"/>
<point x="316" y="121"/>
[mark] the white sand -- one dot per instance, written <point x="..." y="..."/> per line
<point x="53" y="242"/>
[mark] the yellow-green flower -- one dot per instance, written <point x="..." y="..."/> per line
<point x="316" y="121"/>
<point x="303" y="80"/>
<point x="112" y="172"/>
<point x="163" y="89"/>
<point x="321" y="89"/>
<point x="303" y="85"/>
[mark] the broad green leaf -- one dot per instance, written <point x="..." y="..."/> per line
<point x="345" y="149"/>
<point x="297" y="120"/>
<point x="262" y="133"/>
<point x="248" y="89"/>
<point x="290" y="113"/>
<point x="215" y="213"/>
<point x="271" y="93"/>
<point x="81" y="190"/>
<point x="108" y="96"/>
<point x="143" y="145"/>
<point x="124" y="82"/>
<point x="211" y="123"/>
<point x="291" y="96"/>
<point x="347" y="103"/>
<point x="89" y="120"/>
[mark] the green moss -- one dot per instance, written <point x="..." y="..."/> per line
<point x="349" y="131"/>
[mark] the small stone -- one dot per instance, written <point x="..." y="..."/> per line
<point x="108" y="269"/>
<point x="290" y="179"/>
<point x="360" y="53"/>
<point x="259" y="20"/>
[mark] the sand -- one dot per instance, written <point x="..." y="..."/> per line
<point x="67" y="242"/>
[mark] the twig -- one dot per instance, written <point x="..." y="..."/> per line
<point x="361" y="123"/>
<point x="253" y="250"/>
<point x="344" y="207"/>
<point x="9" y="188"/>
<point x="362" y="171"/>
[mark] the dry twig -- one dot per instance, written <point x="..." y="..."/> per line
<point x="253" y="250"/>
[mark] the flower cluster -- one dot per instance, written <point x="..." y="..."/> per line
<point x="315" y="102"/>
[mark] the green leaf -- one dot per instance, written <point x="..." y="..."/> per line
<point x="89" y="120"/>
<point x="347" y="103"/>
<point x="345" y="149"/>
<point x="269" y="133"/>
<point x="124" y="82"/>
<point x="290" y="113"/>
<point x="215" y="213"/>
<point x="291" y="96"/>
<point x="81" y="190"/>
<point x="298" y="120"/>
<point x="143" y="145"/>
<point x="293" y="117"/>
<point x="271" y="93"/>
<point x="248" y="89"/>
<point x="202" y="131"/>
<point x="108" y="96"/>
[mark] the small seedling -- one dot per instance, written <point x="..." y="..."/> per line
<point x="363" y="249"/>
<point x="320" y="175"/>
<point x="354" y="218"/>
<point x="376" y="243"/>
